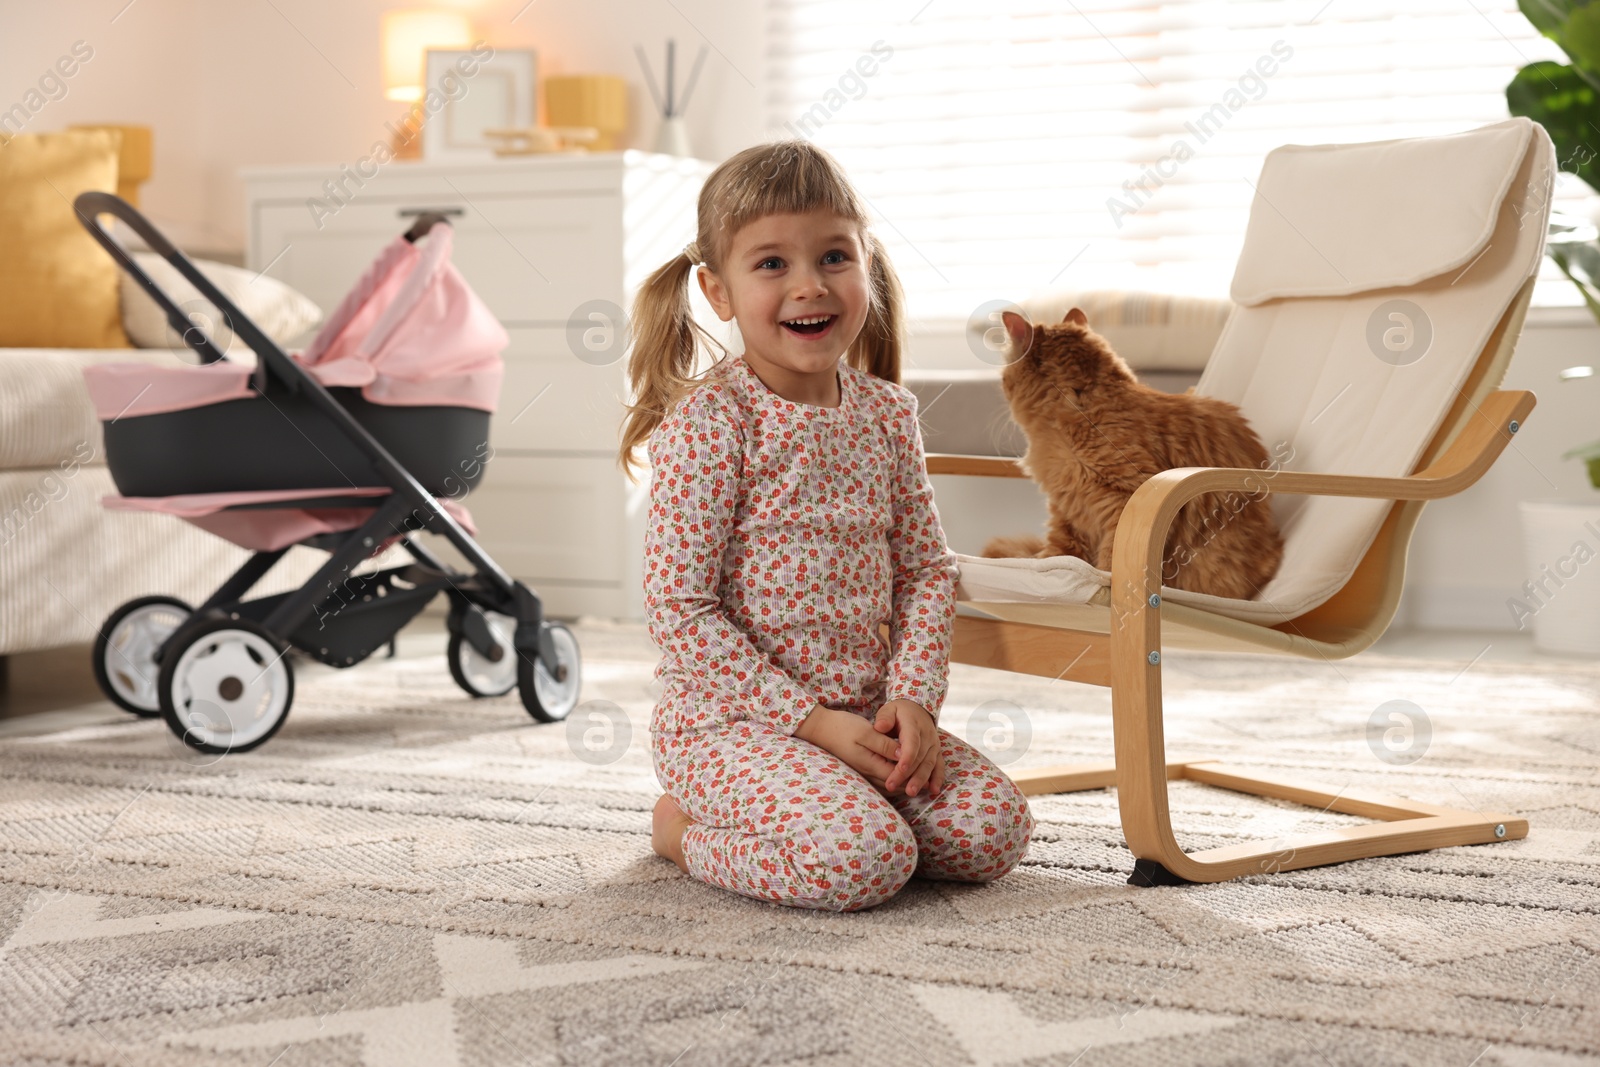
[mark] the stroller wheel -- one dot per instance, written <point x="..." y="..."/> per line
<point x="226" y="686"/>
<point x="125" y="666"/>
<point x="478" y="674"/>
<point x="550" y="696"/>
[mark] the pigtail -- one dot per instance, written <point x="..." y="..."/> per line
<point x="878" y="348"/>
<point x="662" y="364"/>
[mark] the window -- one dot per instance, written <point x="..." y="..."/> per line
<point x="1002" y="145"/>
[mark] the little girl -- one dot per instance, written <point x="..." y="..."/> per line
<point x="790" y="518"/>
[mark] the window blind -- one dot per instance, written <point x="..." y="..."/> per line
<point x="1014" y="145"/>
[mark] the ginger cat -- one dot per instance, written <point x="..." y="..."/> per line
<point x="1095" y="434"/>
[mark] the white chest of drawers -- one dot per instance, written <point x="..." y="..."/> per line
<point x="542" y="240"/>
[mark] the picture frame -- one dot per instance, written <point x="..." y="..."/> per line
<point x="465" y="94"/>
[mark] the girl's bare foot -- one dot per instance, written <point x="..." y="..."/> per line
<point x="667" y="824"/>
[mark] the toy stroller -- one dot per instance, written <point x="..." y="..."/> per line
<point x="369" y="436"/>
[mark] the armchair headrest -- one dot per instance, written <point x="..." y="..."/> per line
<point x="1341" y="219"/>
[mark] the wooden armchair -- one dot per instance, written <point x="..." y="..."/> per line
<point x="1117" y="638"/>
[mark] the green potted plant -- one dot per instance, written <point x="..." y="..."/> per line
<point x="1561" y="538"/>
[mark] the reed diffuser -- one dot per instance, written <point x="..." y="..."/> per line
<point x="672" y="137"/>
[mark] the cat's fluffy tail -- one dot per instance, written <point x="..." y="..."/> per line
<point x="1014" y="548"/>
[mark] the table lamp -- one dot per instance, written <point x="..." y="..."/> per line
<point x="406" y="35"/>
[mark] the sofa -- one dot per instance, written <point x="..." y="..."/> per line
<point x="65" y="562"/>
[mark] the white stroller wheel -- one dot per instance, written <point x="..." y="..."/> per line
<point x="478" y="674"/>
<point x="227" y="687"/>
<point x="125" y="664"/>
<point x="550" y="696"/>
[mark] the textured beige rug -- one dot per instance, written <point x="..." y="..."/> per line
<point x="405" y="877"/>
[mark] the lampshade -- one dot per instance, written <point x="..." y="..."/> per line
<point x="407" y="34"/>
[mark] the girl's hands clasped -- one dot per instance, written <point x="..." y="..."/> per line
<point x="897" y="751"/>
<point x="852" y="739"/>
<point x="920" y="766"/>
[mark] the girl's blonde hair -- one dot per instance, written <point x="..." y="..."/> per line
<point x="781" y="177"/>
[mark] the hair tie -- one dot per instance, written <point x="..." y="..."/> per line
<point x="693" y="252"/>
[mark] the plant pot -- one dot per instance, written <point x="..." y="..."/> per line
<point x="1560" y="599"/>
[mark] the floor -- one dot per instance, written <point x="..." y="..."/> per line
<point x="46" y="691"/>
<point x="405" y="876"/>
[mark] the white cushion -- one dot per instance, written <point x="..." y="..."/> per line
<point x="283" y="314"/>
<point x="1150" y="331"/>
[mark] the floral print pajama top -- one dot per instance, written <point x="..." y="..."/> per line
<point x="780" y="539"/>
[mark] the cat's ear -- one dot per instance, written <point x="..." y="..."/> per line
<point x="1020" y="330"/>
<point x="1077" y="317"/>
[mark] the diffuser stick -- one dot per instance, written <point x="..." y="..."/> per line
<point x="649" y="79"/>
<point x="672" y="48"/>
<point x="694" y="76"/>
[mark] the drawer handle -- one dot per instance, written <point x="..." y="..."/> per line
<point x="409" y="212"/>
<point x="426" y="220"/>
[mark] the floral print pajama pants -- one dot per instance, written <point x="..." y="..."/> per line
<point x="780" y="819"/>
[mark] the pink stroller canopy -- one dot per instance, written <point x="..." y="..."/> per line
<point x="411" y="333"/>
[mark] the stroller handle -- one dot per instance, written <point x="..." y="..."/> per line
<point x="90" y="206"/>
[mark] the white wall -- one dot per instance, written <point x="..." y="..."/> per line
<point x="1466" y="557"/>
<point x="227" y="84"/>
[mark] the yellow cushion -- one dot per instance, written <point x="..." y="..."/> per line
<point x="135" y="159"/>
<point x="60" y="286"/>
